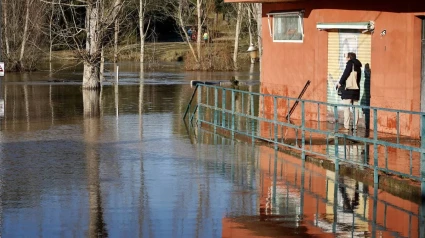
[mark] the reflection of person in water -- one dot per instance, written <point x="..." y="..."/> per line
<point x="349" y="204"/>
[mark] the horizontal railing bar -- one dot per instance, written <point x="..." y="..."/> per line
<point x="318" y="102"/>
<point x="274" y="137"/>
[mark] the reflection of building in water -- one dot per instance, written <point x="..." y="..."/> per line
<point x="313" y="200"/>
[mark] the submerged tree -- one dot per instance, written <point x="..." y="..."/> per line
<point x="22" y="34"/>
<point x="88" y="34"/>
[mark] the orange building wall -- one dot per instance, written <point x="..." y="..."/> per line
<point x="396" y="61"/>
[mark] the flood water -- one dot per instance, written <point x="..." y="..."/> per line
<point x="124" y="164"/>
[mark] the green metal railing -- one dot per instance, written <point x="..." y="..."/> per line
<point x="301" y="183"/>
<point x="235" y="111"/>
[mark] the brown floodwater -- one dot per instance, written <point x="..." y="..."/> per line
<point x="122" y="163"/>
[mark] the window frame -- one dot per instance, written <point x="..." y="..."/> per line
<point x="299" y="14"/>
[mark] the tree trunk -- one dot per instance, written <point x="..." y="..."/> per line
<point x="142" y="31"/>
<point x="116" y="30"/>
<point x="199" y="30"/>
<point x="186" y="36"/>
<point x="102" y="64"/>
<point x="24" y="37"/>
<point x="5" y="32"/>
<point x="238" y="29"/>
<point x="259" y="29"/>
<point x="91" y="74"/>
<point x="97" y="227"/>
<point x="50" y="32"/>
<point x="248" y="8"/>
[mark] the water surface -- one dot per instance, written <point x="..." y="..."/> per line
<point x="123" y="164"/>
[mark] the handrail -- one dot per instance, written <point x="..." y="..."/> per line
<point x="302" y="131"/>
<point x="190" y="101"/>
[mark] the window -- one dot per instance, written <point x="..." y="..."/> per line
<point x="287" y="27"/>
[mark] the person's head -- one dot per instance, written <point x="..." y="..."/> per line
<point x="351" y="56"/>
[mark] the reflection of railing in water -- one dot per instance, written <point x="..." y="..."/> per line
<point x="352" y="208"/>
<point x="225" y="117"/>
<point x="340" y="195"/>
<point x="212" y="110"/>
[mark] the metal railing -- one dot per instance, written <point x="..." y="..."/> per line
<point x="236" y="111"/>
<point x="289" y="191"/>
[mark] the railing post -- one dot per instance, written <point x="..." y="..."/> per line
<point x="252" y="115"/>
<point x="233" y="114"/>
<point x="303" y="130"/>
<point x="335" y="204"/>
<point x="223" y="108"/>
<point x="375" y="147"/>
<point x="215" y="109"/>
<point x="275" y="121"/>
<point x="336" y="118"/>
<point x="336" y="140"/>
<point x="375" y="209"/>
<point x="199" y="106"/>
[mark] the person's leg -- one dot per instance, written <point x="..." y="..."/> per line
<point x="356" y="112"/>
<point x="346" y="113"/>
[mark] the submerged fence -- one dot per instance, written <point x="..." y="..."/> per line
<point x="248" y="113"/>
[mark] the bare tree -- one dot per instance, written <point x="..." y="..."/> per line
<point x="144" y="7"/>
<point x="94" y="32"/>
<point x="188" y="13"/>
<point x="116" y="29"/>
<point x="237" y="32"/>
<point x="22" y="19"/>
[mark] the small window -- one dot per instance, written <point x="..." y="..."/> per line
<point x="287" y="27"/>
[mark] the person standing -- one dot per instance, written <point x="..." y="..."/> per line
<point x="189" y="33"/>
<point x="206" y="36"/>
<point x="351" y="96"/>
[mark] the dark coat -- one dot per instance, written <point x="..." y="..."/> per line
<point x="351" y="93"/>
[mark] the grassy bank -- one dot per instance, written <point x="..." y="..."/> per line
<point x="156" y="52"/>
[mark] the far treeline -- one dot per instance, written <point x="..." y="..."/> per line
<point x="93" y="30"/>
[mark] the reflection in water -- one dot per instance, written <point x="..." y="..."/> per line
<point x="97" y="227"/>
<point x="123" y="165"/>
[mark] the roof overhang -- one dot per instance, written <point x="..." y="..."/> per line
<point x="368" y="25"/>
